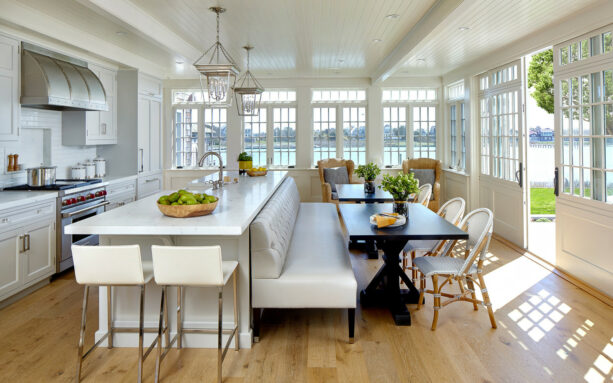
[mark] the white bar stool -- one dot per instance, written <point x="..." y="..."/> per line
<point x="112" y="266"/>
<point x="193" y="266"/>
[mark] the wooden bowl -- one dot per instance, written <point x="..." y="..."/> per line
<point x="257" y="174"/>
<point x="186" y="211"/>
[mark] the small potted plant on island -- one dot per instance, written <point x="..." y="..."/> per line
<point x="400" y="187"/>
<point x="245" y="162"/>
<point x="369" y="172"/>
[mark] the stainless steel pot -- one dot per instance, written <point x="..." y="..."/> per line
<point x="41" y="176"/>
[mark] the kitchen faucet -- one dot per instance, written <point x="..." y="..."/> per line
<point x="219" y="182"/>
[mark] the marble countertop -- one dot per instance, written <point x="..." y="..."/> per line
<point x="11" y="199"/>
<point x="238" y="205"/>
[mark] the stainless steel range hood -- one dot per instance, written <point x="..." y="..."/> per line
<point x="50" y="80"/>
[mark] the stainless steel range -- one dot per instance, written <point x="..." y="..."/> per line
<point x="77" y="200"/>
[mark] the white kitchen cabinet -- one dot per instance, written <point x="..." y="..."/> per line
<point x="120" y="192"/>
<point x="10" y="270"/>
<point x="149" y="132"/>
<point x="149" y="184"/>
<point x="94" y="128"/>
<point x="39" y="257"/>
<point x="27" y="250"/>
<point x="9" y="89"/>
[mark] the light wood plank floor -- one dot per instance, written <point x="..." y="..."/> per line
<point x="549" y="330"/>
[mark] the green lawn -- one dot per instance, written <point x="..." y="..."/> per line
<point x="542" y="201"/>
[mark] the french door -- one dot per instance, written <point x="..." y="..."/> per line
<point x="501" y="182"/>
<point x="583" y="91"/>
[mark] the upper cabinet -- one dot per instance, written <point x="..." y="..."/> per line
<point x="94" y="128"/>
<point x="9" y="89"/>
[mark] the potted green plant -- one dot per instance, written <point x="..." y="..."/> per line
<point x="245" y="162"/>
<point x="369" y="172"/>
<point x="400" y="187"/>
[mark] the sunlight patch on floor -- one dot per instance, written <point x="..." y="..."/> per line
<point x="538" y="315"/>
<point x="603" y="366"/>
<point x="512" y="279"/>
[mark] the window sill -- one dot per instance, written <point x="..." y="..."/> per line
<point x="455" y="171"/>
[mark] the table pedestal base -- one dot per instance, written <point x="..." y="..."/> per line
<point x="388" y="278"/>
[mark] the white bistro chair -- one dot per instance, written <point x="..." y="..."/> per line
<point x="424" y="194"/>
<point x="112" y="266"/>
<point x="478" y="223"/>
<point x="194" y="266"/>
<point x="452" y="211"/>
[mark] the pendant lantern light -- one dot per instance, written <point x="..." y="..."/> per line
<point x="248" y="93"/>
<point x="217" y="70"/>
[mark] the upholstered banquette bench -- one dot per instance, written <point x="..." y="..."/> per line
<point x="299" y="257"/>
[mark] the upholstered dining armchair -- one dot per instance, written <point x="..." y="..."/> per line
<point x="428" y="171"/>
<point x="330" y="178"/>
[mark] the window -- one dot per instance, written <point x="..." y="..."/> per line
<point x="586" y="112"/>
<point x="424" y="132"/>
<point x="500" y="122"/>
<point x="284" y="136"/>
<point x="324" y="134"/>
<point x="395" y="135"/>
<point x="186" y="136"/>
<point x="462" y="137"/>
<point x="354" y="134"/>
<point x="409" y="94"/>
<point x="215" y="133"/>
<point x="585" y="47"/>
<point x="255" y="137"/>
<point x="339" y="113"/>
<point x="453" y="134"/>
<point x="270" y="137"/>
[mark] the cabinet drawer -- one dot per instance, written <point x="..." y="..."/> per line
<point x="149" y="185"/>
<point x="149" y="86"/>
<point x="120" y="188"/>
<point x="119" y="200"/>
<point x="10" y="219"/>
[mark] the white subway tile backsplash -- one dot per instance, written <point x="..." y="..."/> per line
<point x="40" y="141"/>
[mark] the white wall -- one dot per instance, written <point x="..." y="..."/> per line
<point x="40" y="142"/>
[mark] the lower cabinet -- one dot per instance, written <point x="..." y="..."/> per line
<point x="149" y="184"/>
<point x="120" y="200"/>
<point x="120" y="192"/>
<point x="27" y="253"/>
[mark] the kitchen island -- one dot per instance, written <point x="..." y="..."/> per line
<point x="142" y="223"/>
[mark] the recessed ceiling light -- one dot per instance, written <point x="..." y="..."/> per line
<point x="463" y="28"/>
<point x="120" y="33"/>
<point x="376" y="41"/>
<point x="392" y="16"/>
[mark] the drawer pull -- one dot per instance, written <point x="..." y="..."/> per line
<point x="5" y="220"/>
<point x="151" y="180"/>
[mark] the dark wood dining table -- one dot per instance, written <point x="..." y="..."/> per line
<point x="384" y="288"/>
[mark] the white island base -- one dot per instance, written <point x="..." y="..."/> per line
<point x="141" y="223"/>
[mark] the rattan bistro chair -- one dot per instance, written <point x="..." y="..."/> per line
<point x="452" y="211"/>
<point x="478" y="223"/>
<point x="423" y="197"/>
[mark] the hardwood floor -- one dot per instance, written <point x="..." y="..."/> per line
<point x="549" y="330"/>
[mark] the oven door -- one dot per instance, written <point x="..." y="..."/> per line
<point x="75" y="215"/>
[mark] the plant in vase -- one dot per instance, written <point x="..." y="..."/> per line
<point x="245" y="162"/>
<point x="369" y="172"/>
<point x="400" y="187"/>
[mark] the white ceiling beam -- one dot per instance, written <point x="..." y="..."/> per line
<point x="148" y="26"/>
<point x="435" y="16"/>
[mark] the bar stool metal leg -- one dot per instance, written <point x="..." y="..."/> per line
<point x="235" y="278"/>
<point x="179" y="317"/>
<point x="219" y="335"/>
<point x="141" y="331"/>
<point x="160" y="330"/>
<point x="166" y="316"/>
<point x="109" y="316"/>
<point x="82" y="336"/>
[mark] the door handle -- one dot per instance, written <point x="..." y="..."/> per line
<point x="142" y="154"/>
<point x="27" y="238"/>
<point x="519" y="175"/>
<point x="22" y="238"/>
<point x="556" y="182"/>
<point x="68" y="215"/>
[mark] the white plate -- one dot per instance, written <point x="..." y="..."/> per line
<point x="399" y="222"/>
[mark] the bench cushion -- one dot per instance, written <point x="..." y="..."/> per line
<point x="271" y="231"/>
<point x="317" y="271"/>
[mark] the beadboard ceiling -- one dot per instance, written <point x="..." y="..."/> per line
<point x="294" y="38"/>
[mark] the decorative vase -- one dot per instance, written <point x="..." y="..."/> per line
<point x="243" y="166"/>
<point x="369" y="187"/>
<point x="401" y="207"/>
